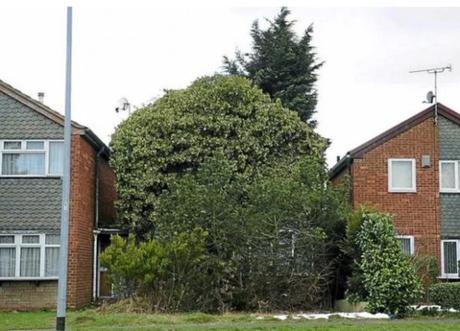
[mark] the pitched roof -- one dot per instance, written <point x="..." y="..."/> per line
<point x="359" y="151"/>
<point x="53" y="115"/>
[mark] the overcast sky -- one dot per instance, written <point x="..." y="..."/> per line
<point x="364" y="87"/>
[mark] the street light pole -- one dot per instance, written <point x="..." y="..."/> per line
<point x="64" y="248"/>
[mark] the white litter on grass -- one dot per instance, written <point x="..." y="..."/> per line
<point x="314" y="316"/>
<point x="424" y="307"/>
<point x="325" y="316"/>
<point x="259" y="318"/>
<point x="434" y="307"/>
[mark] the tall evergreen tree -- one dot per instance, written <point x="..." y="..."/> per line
<point x="281" y="64"/>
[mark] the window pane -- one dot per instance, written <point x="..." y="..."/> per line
<point x="23" y="164"/>
<point x="448" y="175"/>
<point x="30" y="262"/>
<point x="35" y="145"/>
<point x="56" y="158"/>
<point x="52" y="256"/>
<point x="401" y="176"/>
<point x="12" y="145"/>
<point x="450" y="257"/>
<point x="405" y="245"/>
<point x="31" y="239"/>
<point x="53" y="239"/>
<point x="7" y="262"/>
<point x="6" y="239"/>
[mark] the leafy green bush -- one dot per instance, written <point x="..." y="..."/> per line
<point x="389" y="275"/>
<point x="447" y="295"/>
<point x="181" y="130"/>
<point x="165" y="272"/>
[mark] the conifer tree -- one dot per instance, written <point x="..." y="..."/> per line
<point x="281" y="64"/>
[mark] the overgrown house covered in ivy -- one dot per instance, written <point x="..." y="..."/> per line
<point x="31" y="161"/>
<point x="412" y="172"/>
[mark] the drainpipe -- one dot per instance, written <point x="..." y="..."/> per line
<point x="96" y="231"/>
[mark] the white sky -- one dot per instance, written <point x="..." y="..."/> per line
<point x="364" y="86"/>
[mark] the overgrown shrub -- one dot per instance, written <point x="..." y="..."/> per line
<point x="389" y="276"/>
<point x="274" y="239"/>
<point x="178" y="132"/>
<point x="447" y="295"/>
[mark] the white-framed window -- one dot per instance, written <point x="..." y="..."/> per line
<point x="401" y="175"/>
<point x="407" y="244"/>
<point x="22" y="158"/>
<point x="448" y="177"/>
<point x="29" y="256"/>
<point x="449" y="258"/>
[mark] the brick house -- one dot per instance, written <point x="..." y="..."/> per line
<point x="412" y="172"/>
<point x="31" y="152"/>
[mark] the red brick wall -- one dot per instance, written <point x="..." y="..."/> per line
<point x="414" y="213"/>
<point x="107" y="194"/>
<point x="82" y="215"/>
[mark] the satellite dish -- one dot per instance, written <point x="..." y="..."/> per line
<point x="430" y="97"/>
<point x="122" y="105"/>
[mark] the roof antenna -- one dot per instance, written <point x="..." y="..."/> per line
<point x="430" y="96"/>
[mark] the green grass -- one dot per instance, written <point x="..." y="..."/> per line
<point x="87" y="320"/>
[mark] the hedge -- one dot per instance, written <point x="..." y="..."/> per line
<point x="447" y="295"/>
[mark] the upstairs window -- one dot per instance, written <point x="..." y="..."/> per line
<point x="31" y="158"/>
<point x="401" y="175"/>
<point x="448" y="176"/>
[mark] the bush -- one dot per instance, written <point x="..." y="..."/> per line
<point x="446" y="295"/>
<point x="178" y="132"/>
<point x="389" y="276"/>
<point x="167" y="273"/>
<point x="273" y="240"/>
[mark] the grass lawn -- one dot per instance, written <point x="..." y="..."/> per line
<point x="92" y="320"/>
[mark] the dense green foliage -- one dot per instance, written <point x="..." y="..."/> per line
<point x="447" y="295"/>
<point x="355" y="290"/>
<point x="275" y="238"/>
<point x="271" y="244"/>
<point x="281" y="64"/>
<point x="179" y="131"/>
<point x="388" y="275"/>
<point x="164" y="271"/>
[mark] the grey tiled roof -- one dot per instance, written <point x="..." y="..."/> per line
<point x="20" y="122"/>
<point x="30" y="204"/>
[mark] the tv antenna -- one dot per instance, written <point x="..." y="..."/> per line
<point x="123" y="105"/>
<point x="430" y="96"/>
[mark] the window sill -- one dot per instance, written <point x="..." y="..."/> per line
<point x="445" y="277"/>
<point x="401" y="191"/>
<point x="26" y="279"/>
<point x="452" y="192"/>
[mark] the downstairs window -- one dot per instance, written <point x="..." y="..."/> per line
<point x="29" y="256"/>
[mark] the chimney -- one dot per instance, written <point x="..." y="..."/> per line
<point x="41" y="97"/>
<point x="338" y="158"/>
